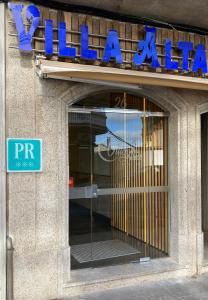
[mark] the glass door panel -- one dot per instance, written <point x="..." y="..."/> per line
<point x="80" y="203"/>
<point x="119" y="151"/>
<point x="107" y="143"/>
<point x="204" y="181"/>
<point x="119" y="185"/>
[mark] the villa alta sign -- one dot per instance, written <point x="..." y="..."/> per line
<point x="146" y="49"/>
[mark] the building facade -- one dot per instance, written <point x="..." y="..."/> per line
<point x="121" y="110"/>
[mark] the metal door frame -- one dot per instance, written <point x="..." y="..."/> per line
<point x="93" y="191"/>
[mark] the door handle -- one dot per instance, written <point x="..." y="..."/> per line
<point x="83" y="192"/>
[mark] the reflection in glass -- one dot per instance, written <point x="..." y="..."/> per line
<point x="117" y="149"/>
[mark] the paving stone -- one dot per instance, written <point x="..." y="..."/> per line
<point x="178" y="289"/>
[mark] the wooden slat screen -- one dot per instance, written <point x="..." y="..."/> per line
<point x="143" y="215"/>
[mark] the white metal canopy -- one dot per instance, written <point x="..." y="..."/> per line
<point x="115" y="76"/>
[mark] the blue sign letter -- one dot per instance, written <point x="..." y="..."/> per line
<point x="169" y="64"/>
<point x="148" y="49"/>
<point x="186" y="47"/>
<point x="33" y="15"/>
<point x="63" y="49"/>
<point x="200" y="61"/>
<point x="85" y="52"/>
<point x="48" y="37"/>
<point x="112" y="48"/>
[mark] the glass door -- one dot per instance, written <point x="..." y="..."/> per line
<point x="118" y="190"/>
<point x="80" y="188"/>
<point x="114" y="155"/>
<point x="204" y="180"/>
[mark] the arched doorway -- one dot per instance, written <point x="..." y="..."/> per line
<point x="118" y="189"/>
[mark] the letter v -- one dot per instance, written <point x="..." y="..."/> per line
<point x="33" y="15"/>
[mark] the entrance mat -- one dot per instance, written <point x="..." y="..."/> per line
<point x="101" y="250"/>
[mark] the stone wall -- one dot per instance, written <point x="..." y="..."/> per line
<point x="34" y="110"/>
<point x="38" y="203"/>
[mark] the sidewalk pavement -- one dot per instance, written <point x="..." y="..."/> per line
<point x="186" y="288"/>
